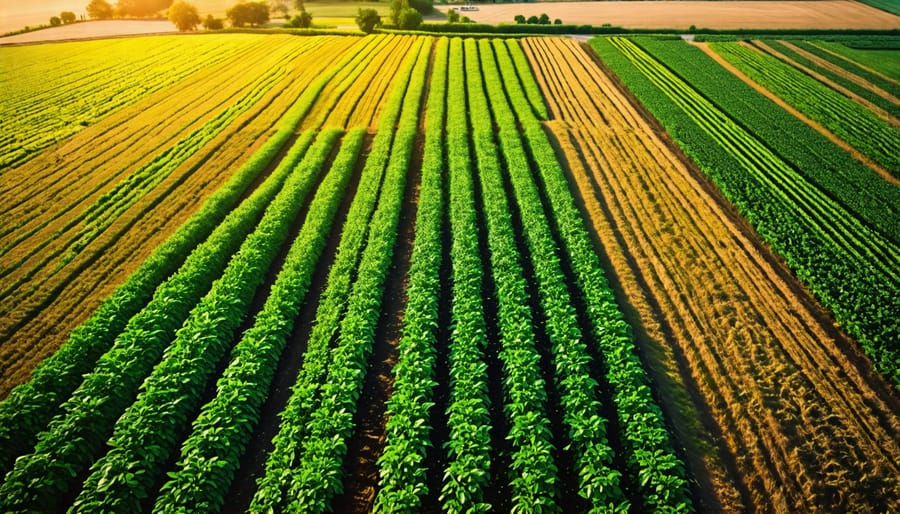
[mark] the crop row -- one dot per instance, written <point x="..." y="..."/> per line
<point x="210" y="456"/>
<point x="147" y="433"/>
<point x="872" y="77"/>
<point x="89" y="415"/>
<point x="847" y="119"/>
<point x="649" y="451"/>
<point x="855" y="186"/>
<point x="844" y="80"/>
<point x="599" y="483"/>
<point x="317" y="475"/>
<point x="29" y="408"/>
<point x="845" y="263"/>
<point x="533" y="473"/>
<point x="407" y="432"/>
<point x="99" y="80"/>
<point x="275" y="488"/>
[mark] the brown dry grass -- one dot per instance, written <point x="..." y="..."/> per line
<point x="777" y="410"/>
<point x="819" y="14"/>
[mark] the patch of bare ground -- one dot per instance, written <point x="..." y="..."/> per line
<point x="91" y="30"/>
<point x="802" y="117"/>
<point x="777" y="410"/>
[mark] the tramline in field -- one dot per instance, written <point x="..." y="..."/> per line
<point x="586" y="320"/>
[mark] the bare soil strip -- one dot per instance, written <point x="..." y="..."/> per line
<point x="881" y="113"/>
<point x="856" y="79"/>
<point x="795" y="418"/>
<point x="802" y="117"/>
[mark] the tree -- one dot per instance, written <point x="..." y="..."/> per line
<point x="544" y="19"/>
<point x="67" y="17"/>
<point x="398" y="6"/>
<point x="100" y="10"/>
<point x="184" y="16"/>
<point x="452" y="16"/>
<point x="519" y="19"/>
<point x="368" y="19"/>
<point x="532" y="20"/>
<point x="248" y="13"/>
<point x="142" y="8"/>
<point x="409" y="19"/>
<point x="557" y="21"/>
<point x="302" y="20"/>
<point x="211" y="23"/>
<point x="55" y="21"/>
<point x="423" y="6"/>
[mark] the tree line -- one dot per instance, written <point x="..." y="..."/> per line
<point x="404" y="14"/>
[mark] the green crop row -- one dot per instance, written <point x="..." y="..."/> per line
<point x="529" y="84"/>
<point x="271" y="491"/>
<point x="533" y="473"/>
<point x="818" y="49"/>
<point x="869" y="52"/>
<point x="148" y="432"/>
<point x="317" y="477"/>
<point x="467" y="473"/>
<point x="840" y="79"/>
<point x="649" y="452"/>
<point x="88" y="415"/>
<point x="847" y="265"/>
<point x="859" y="189"/>
<point x="845" y="118"/>
<point x="407" y="432"/>
<point x="30" y="407"/>
<point x="599" y="483"/>
<point x="210" y="456"/>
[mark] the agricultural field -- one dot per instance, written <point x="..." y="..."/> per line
<point x="410" y="273"/>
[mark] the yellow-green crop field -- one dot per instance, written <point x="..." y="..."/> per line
<point x="405" y="273"/>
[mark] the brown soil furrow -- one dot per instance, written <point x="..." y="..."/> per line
<point x="855" y="63"/>
<point x="802" y="117"/>
<point x="843" y="72"/>
<point x="881" y="113"/>
<point x="802" y="417"/>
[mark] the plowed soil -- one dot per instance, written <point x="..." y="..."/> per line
<point x="775" y="409"/>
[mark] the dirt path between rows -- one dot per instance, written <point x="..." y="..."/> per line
<point x="802" y="117"/>
<point x="774" y="408"/>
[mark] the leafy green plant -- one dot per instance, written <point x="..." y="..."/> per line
<point x="408" y="409"/>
